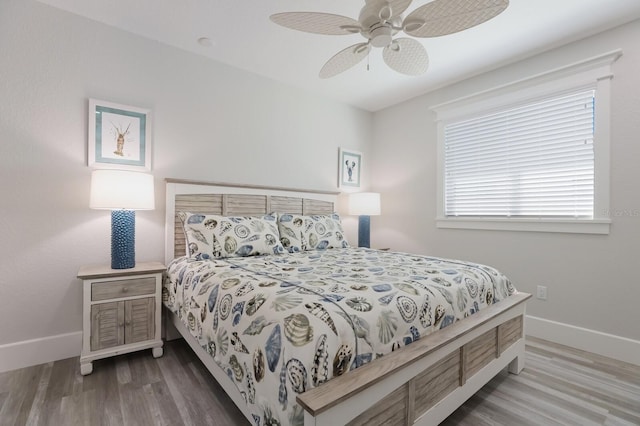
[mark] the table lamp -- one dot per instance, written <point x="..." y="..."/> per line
<point x="364" y="205"/>
<point x="123" y="193"/>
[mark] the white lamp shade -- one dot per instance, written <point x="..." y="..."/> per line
<point x="364" y="204"/>
<point x="119" y="189"/>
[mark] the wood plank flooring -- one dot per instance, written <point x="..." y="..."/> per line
<point x="559" y="386"/>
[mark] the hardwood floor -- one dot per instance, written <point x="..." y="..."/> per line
<point x="559" y="386"/>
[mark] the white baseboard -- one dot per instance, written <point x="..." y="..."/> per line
<point x="39" y="351"/>
<point x="609" y="345"/>
<point x="47" y="349"/>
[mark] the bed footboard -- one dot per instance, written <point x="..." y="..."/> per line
<point x="426" y="381"/>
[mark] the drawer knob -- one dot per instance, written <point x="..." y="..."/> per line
<point x="125" y="289"/>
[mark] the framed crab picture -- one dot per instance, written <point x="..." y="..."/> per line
<point x="350" y="164"/>
<point x="119" y="136"/>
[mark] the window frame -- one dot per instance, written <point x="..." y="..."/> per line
<point x="594" y="72"/>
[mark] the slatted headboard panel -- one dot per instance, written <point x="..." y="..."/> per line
<point x="235" y="200"/>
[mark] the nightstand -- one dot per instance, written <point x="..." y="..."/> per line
<point x="120" y="311"/>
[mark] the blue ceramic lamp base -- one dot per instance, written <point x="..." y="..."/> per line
<point x="364" y="234"/>
<point x="123" y="239"/>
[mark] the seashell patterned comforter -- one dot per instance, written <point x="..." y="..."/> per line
<point x="281" y="324"/>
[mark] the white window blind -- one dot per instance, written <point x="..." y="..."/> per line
<point x="532" y="160"/>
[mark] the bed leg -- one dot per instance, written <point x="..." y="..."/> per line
<point x="309" y="420"/>
<point x="86" y="368"/>
<point x="170" y="331"/>
<point x="516" y="366"/>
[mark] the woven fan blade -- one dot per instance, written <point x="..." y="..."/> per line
<point x="407" y="56"/>
<point x="442" y="17"/>
<point x="317" y="23"/>
<point x="344" y="60"/>
<point x="373" y="7"/>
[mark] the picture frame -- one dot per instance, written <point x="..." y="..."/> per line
<point x="119" y="136"/>
<point x="350" y="168"/>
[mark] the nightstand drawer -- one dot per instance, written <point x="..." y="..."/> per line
<point x="105" y="290"/>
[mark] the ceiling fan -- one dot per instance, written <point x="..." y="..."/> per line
<point x="381" y="20"/>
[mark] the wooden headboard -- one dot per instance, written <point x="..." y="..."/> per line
<point x="234" y="200"/>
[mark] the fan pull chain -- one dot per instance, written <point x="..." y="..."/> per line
<point x="368" y="55"/>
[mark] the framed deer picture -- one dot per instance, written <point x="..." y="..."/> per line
<point x="119" y="136"/>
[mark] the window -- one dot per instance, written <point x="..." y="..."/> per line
<point x="532" y="155"/>
<point x="532" y="160"/>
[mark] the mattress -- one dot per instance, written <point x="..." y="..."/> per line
<point x="279" y="325"/>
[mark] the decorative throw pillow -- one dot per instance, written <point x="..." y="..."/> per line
<point x="216" y="236"/>
<point x="317" y="232"/>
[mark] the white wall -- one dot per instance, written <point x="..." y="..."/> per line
<point x="593" y="280"/>
<point x="210" y="122"/>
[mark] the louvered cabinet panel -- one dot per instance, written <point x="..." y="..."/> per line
<point x="107" y="325"/>
<point x="139" y="322"/>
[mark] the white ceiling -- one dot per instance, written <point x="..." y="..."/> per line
<point x="243" y="36"/>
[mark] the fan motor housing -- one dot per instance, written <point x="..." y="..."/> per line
<point x="381" y="36"/>
<point x="380" y="33"/>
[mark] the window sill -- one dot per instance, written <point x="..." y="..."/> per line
<point x="573" y="226"/>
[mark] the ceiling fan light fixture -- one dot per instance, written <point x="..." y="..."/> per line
<point x="380" y="20"/>
<point x="381" y="36"/>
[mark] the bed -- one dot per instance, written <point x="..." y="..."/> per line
<point x="337" y="335"/>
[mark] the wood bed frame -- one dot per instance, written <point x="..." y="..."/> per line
<point x="421" y="384"/>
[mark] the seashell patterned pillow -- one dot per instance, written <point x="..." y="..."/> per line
<point x="216" y="236"/>
<point x="317" y="232"/>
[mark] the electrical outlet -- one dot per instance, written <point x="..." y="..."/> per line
<point x="542" y="292"/>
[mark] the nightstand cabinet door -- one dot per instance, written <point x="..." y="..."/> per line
<point x="139" y="322"/>
<point x="107" y="325"/>
<point x="121" y="323"/>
